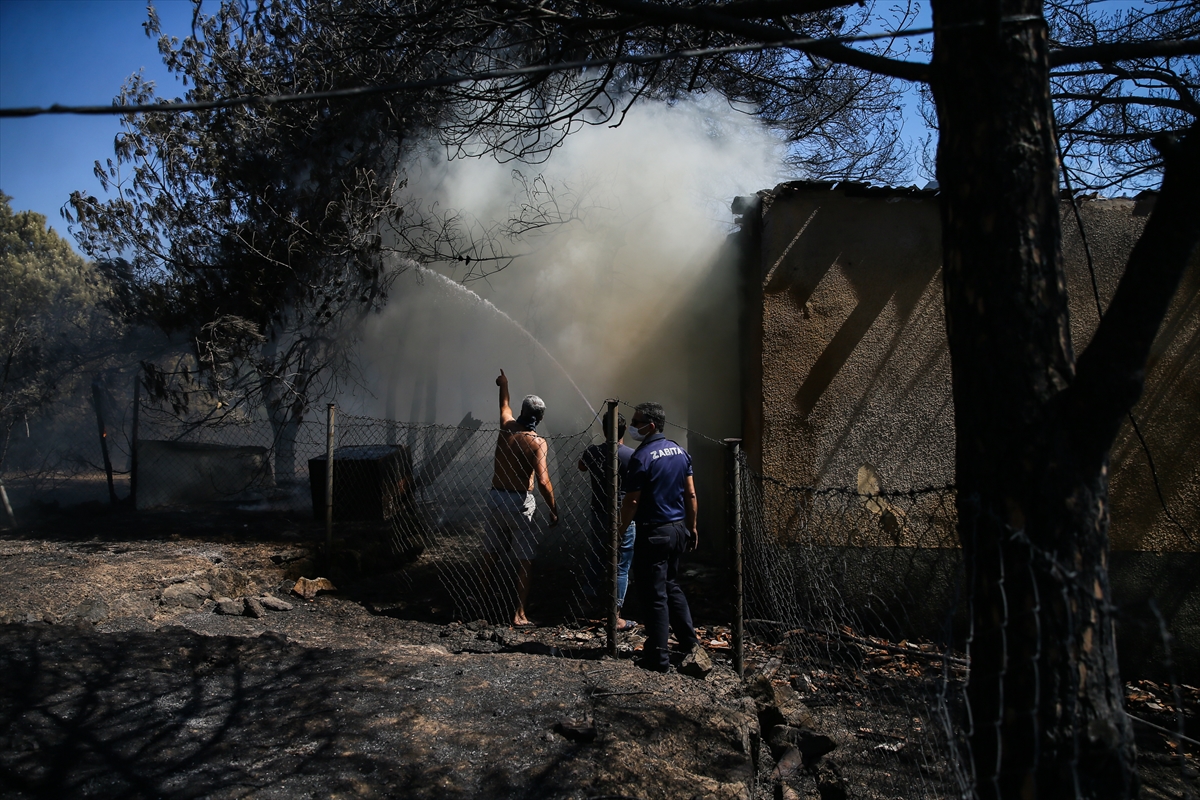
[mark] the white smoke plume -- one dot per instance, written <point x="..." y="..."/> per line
<point x="605" y="292"/>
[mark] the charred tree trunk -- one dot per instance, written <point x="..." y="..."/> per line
<point x="285" y="425"/>
<point x="98" y="402"/>
<point x="134" y="439"/>
<point x="1033" y="432"/>
<point x="285" y="377"/>
<point x="8" y="510"/>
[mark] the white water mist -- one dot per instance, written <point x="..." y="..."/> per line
<point x="605" y="294"/>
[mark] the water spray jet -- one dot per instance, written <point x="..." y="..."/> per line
<point x="474" y="297"/>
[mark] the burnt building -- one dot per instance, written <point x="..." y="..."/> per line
<point x="845" y="382"/>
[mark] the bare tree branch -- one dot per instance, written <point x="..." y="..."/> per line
<point x="704" y="19"/>
<point x="1124" y="51"/>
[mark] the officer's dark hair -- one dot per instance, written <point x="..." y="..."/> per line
<point x="655" y="413"/>
<point x="620" y="425"/>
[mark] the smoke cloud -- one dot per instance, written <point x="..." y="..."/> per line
<point x="598" y="300"/>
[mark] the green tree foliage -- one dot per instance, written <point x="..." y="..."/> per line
<point x="55" y="316"/>
<point x="259" y="232"/>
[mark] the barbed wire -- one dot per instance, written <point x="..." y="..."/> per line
<point x="695" y="435"/>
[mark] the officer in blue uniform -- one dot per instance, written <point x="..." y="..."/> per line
<point x="661" y="498"/>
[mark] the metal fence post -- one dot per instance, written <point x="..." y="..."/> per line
<point x="735" y="523"/>
<point x="391" y="410"/>
<point x="614" y="522"/>
<point x="329" y="483"/>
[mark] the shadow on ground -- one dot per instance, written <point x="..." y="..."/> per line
<point x="176" y="714"/>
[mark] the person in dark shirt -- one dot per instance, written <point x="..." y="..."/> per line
<point x="594" y="461"/>
<point x="660" y="497"/>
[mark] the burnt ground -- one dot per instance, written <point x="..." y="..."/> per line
<point x="120" y="680"/>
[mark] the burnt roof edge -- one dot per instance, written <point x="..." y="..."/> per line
<point x="764" y="198"/>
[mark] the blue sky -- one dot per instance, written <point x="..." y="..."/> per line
<point x="72" y="52"/>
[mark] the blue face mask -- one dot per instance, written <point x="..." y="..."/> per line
<point x="636" y="435"/>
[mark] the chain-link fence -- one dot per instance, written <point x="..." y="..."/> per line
<point x="852" y="596"/>
<point x="488" y="546"/>
<point x="860" y="599"/>
<point x="430" y="486"/>
<point x="849" y="594"/>
<point x="230" y="459"/>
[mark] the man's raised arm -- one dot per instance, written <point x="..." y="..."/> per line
<point x="506" y="415"/>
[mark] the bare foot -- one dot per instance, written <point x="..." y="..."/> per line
<point x="520" y="620"/>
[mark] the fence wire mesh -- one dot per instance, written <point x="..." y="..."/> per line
<point x="445" y="509"/>
<point x="852" y="595"/>
<point x="231" y="459"/>
<point x="849" y="595"/>
<point x="428" y="485"/>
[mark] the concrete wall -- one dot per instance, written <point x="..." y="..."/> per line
<point x="847" y="373"/>
<point x="854" y="360"/>
<point x="1168" y="414"/>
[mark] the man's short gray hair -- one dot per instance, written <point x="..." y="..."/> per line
<point x="533" y="407"/>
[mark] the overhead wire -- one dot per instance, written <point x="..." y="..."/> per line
<point x="514" y="72"/>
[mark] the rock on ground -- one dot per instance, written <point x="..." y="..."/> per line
<point x="228" y="606"/>
<point x="308" y="587"/>
<point x="186" y="595"/>
<point x="254" y="608"/>
<point x="274" y="603"/>
<point x="696" y="663"/>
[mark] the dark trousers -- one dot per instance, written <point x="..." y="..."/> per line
<point x="655" y="570"/>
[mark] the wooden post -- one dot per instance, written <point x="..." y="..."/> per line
<point x="735" y="524"/>
<point x="98" y="401"/>
<point x="8" y="510"/>
<point x="614" y="522"/>
<point x="329" y="484"/>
